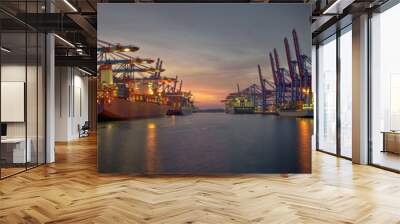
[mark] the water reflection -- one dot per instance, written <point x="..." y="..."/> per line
<point x="151" y="156"/>
<point x="305" y="128"/>
<point x="205" y="143"/>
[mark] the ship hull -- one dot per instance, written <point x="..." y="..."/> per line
<point x="240" y="110"/>
<point x="121" y="109"/>
<point x="187" y="111"/>
<point x="182" y="111"/>
<point x="267" y="113"/>
<point x="301" y="113"/>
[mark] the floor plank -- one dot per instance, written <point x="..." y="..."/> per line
<point x="71" y="191"/>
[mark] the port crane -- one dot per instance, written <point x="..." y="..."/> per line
<point x="265" y="92"/>
<point x="283" y="82"/>
<point x="115" y="55"/>
<point x="294" y="86"/>
<point x="303" y="64"/>
<point x="255" y="93"/>
<point x="290" y="88"/>
<point x="117" y="70"/>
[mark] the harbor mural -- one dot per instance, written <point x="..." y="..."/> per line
<point x="203" y="89"/>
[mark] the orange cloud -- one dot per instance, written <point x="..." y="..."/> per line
<point x="208" y="99"/>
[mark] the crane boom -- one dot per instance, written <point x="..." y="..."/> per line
<point x="277" y="60"/>
<point x="176" y="80"/>
<point x="298" y="53"/>
<point x="289" y="60"/>
<point x="264" y="101"/>
<point x="157" y="66"/>
<point x="273" y="69"/>
<point x="292" y="73"/>
<point x="158" y="74"/>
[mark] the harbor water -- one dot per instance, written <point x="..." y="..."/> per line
<point x="206" y="143"/>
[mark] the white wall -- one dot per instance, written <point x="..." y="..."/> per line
<point x="80" y="112"/>
<point x="71" y="102"/>
<point x="16" y="73"/>
<point x="10" y="73"/>
<point x="62" y="81"/>
<point x="33" y="127"/>
<point x="13" y="101"/>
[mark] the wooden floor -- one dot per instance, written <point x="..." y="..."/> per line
<point x="71" y="191"/>
<point x="5" y="172"/>
<point x="387" y="159"/>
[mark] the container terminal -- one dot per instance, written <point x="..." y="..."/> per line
<point x="132" y="87"/>
<point x="289" y="94"/>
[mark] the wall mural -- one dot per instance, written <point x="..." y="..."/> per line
<point x="204" y="88"/>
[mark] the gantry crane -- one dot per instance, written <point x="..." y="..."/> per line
<point x="118" y="72"/>
<point x="294" y="87"/>
<point x="282" y="78"/>
<point x="303" y="64"/>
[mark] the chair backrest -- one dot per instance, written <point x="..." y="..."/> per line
<point x="86" y="124"/>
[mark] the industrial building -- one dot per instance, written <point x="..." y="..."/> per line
<point x="48" y="100"/>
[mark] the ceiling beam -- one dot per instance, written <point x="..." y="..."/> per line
<point x="77" y="61"/>
<point x="89" y="30"/>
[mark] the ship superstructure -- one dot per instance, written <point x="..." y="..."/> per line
<point x="240" y="102"/>
<point x="180" y="102"/>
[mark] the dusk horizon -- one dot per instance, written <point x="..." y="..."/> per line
<point x="210" y="55"/>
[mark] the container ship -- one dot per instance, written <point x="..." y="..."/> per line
<point x="304" y="111"/>
<point x="302" y="108"/>
<point x="122" y="103"/>
<point x="239" y="103"/>
<point x="130" y="87"/>
<point x="179" y="102"/>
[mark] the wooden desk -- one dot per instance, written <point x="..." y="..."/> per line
<point x="16" y="147"/>
<point x="391" y="141"/>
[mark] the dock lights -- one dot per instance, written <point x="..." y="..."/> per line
<point x="148" y="60"/>
<point x="144" y="60"/>
<point x="5" y="50"/>
<point x="141" y="61"/>
<point x="128" y="48"/>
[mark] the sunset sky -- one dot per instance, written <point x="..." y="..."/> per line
<point x="211" y="47"/>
